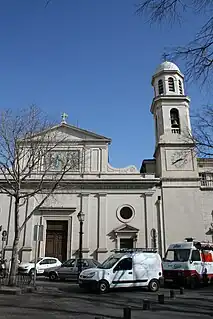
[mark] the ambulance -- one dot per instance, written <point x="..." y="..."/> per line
<point x="188" y="263"/>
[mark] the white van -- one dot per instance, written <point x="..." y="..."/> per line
<point x="125" y="268"/>
<point x="188" y="263"/>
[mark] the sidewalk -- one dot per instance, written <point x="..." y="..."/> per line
<point x="81" y="306"/>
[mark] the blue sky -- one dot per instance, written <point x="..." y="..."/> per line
<point x="92" y="59"/>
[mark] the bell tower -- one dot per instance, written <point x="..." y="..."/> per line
<point x="174" y="147"/>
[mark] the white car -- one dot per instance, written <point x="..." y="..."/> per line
<point x="43" y="263"/>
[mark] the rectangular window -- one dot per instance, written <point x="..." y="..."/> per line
<point x="206" y="179"/>
<point x="126" y="243"/>
<point x="180" y="255"/>
<point x="195" y="255"/>
<point x="124" y="264"/>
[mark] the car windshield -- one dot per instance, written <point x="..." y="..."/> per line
<point x="95" y="262"/>
<point x="68" y="263"/>
<point x="177" y="255"/>
<point x="109" y="262"/>
<point x="33" y="261"/>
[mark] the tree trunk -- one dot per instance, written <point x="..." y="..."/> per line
<point x="14" y="259"/>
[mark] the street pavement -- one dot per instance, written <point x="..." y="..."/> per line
<point x="67" y="300"/>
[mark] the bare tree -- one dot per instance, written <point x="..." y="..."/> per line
<point x="47" y="2"/>
<point x="31" y="153"/>
<point x="198" y="54"/>
<point x="203" y="132"/>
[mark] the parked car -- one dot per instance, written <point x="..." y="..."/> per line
<point x="130" y="268"/>
<point x="69" y="269"/>
<point x="43" y="263"/>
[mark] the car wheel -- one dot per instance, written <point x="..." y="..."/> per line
<point x="103" y="287"/>
<point x="154" y="285"/>
<point x="53" y="276"/>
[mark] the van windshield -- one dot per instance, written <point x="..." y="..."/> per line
<point x="109" y="262"/>
<point x="177" y="255"/>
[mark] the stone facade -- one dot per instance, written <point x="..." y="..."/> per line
<point x="169" y="199"/>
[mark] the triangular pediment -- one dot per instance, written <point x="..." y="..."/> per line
<point x="68" y="132"/>
<point x="125" y="229"/>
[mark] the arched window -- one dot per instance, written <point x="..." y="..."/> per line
<point x="171" y="84"/>
<point x="180" y="87"/>
<point x="160" y="87"/>
<point x="175" y="121"/>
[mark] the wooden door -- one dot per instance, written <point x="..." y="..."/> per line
<point x="56" y="240"/>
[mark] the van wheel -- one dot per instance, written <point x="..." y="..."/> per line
<point x="153" y="285"/>
<point x="103" y="287"/>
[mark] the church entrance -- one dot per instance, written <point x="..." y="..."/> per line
<point x="126" y="243"/>
<point x="56" y="239"/>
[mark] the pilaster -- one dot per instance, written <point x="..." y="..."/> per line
<point x="160" y="227"/>
<point x="85" y="208"/>
<point x="148" y="217"/>
<point x="102" y="223"/>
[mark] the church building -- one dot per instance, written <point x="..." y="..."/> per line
<point x="168" y="199"/>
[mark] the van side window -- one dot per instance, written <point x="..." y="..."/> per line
<point x="195" y="255"/>
<point x="124" y="264"/>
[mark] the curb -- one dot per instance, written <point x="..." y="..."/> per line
<point x="5" y="290"/>
<point x="10" y="291"/>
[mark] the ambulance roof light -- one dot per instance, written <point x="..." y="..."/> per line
<point x="189" y="239"/>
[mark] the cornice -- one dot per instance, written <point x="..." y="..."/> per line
<point x="173" y="145"/>
<point x="165" y="98"/>
<point x="180" y="179"/>
<point x="98" y="185"/>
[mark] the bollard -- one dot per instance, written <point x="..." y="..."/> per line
<point x="161" y="298"/>
<point x="181" y="290"/>
<point x="172" y="294"/>
<point x="146" y="304"/>
<point x="127" y="313"/>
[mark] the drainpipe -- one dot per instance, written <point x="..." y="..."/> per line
<point x="163" y="221"/>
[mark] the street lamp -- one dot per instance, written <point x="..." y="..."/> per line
<point x="80" y="216"/>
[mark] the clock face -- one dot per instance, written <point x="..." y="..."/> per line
<point x="179" y="160"/>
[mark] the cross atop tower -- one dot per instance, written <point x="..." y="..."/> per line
<point x="64" y="116"/>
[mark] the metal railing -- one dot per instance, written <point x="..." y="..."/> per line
<point x="133" y="250"/>
<point x="21" y="280"/>
<point x="206" y="182"/>
<point x="175" y="130"/>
